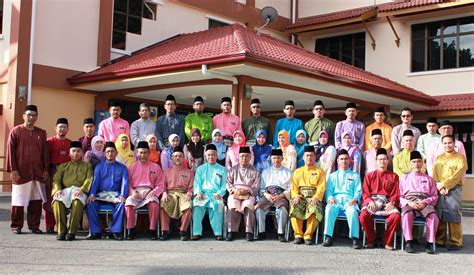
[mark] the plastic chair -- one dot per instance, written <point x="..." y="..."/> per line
<point x="381" y="220"/>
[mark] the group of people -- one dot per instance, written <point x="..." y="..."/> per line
<point x="303" y="172"/>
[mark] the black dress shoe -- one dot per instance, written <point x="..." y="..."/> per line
<point x="219" y="238"/>
<point x="327" y="241"/>
<point x="230" y="236"/>
<point x="409" y="248"/>
<point x="281" y="238"/>
<point x="50" y="231"/>
<point x="454" y="247"/>
<point x="36" y="231"/>
<point x="115" y="236"/>
<point x="249" y="237"/>
<point x="356" y="244"/>
<point x="261" y="236"/>
<point x="298" y="241"/>
<point x="70" y="237"/>
<point x="183" y="235"/>
<point x="61" y="237"/>
<point x="153" y="235"/>
<point x="196" y="238"/>
<point x="131" y="234"/>
<point x="429" y="248"/>
<point x="309" y="242"/>
<point x="164" y="236"/>
<point x="16" y="230"/>
<point x="94" y="236"/>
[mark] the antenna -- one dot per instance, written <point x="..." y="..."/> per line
<point x="268" y="15"/>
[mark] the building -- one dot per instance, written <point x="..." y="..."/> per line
<point x="402" y="53"/>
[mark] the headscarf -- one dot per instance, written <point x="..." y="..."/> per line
<point x="154" y="154"/>
<point x="170" y="140"/>
<point x="321" y="148"/>
<point x="235" y="147"/>
<point x="125" y="153"/>
<point x="196" y="149"/>
<point x="287" y="138"/>
<point x="342" y="137"/>
<point x="221" y="148"/>
<point x="300" y="147"/>
<point x="96" y="152"/>
<point x="261" y="152"/>
<point x="95" y="156"/>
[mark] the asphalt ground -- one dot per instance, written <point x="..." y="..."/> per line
<point x="41" y="254"/>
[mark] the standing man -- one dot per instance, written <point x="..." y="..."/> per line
<point x="176" y="201"/>
<point x="397" y="133"/>
<point x="376" y="140"/>
<point x="351" y="125"/>
<point x="318" y="123"/>
<point x="256" y="122"/>
<point x="58" y="147"/>
<point x="307" y="192"/>
<point x="226" y="121"/>
<point x="380" y="196"/>
<point x="436" y="149"/>
<point x="289" y="123"/>
<point x="146" y="186"/>
<point x="28" y="163"/>
<point x="379" y="117"/>
<point x="72" y="181"/>
<point x="418" y="197"/>
<point x="169" y="123"/>
<point x="426" y="140"/>
<point x="200" y="120"/>
<point x="110" y="128"/>
<point x="86" y="139"/>
<point x="401" y="161"/>
<point x="110" y="186"/>
<point x="243" y="181"/>
<point x="274" y="191"/>
<point x="343" y="192"/>
<point x="143" y="126"/>
<point x="209" y="189"/>
<point x="448" y="173"/>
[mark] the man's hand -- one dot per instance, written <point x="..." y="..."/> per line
<point x="314" y="201"/>
<point x="443" y="191"/>
<point x="390" y="206"/>
<point x="57" y="194"/>
<point x="149" y="195"/>
<point x="78" y="193"/>
<point x="439" y="185"/>
<point x="422" y="205"/>
<point x="165" y="196"/>
<point x="353" y="202"/>
<point x="331" y="201"/>
<point x="371" y="206"/>
<point x="217" y="197"/>
<point x="268" y="196"/>
<point x="15" y="176"/>
<point x="200" y="197"/>
<point x="296" y="200"/>
<point x="413" y="205"/>
<point x="136" y="195"/>
<point x="187" y="197"/>
<point x="90" y="199"/>
<point x="122" y="199"/>
<point x="45" y="176"/>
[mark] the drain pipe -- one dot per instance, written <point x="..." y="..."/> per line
<point x="32" y="46"/>
<point x="206" y="72"/>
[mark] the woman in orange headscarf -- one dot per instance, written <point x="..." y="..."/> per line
<point x="154" y="154"/>
<point x="289" y="151"/>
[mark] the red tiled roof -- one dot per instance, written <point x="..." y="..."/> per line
<point x="238" y="43"/>
<point x="351" y="13"/>
<point x="457" y="102"/>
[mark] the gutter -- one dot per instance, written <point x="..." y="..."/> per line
<point x="32" y="46"/>
<point x="207" y="73"/>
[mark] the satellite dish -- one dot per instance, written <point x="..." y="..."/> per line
<point x="268" y="15"/>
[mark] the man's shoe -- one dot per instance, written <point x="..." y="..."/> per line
<point x="70" y="237"/>
<point x="369" y="245"/>
<point x="409" y="248"/>
<point x="196" y="238"/>
<point x="309" y="242"/>
<point x="327" y="241"/>
<point x="454" y="247"/>
<point x="165" y="236"/>
<point x="116" y="236"/>
<point x="249" y="237"/>
<point x="130" y="234"/>
<point x="153" y="235"/>
<point x="50" y="231"/>
<point x="356" y="244"/>
<point x="16" y="230"/>
<point x="183" y="235"/>
<point x="261" y="236"/>
<point x="230" y="236"/>
<point x="429" y="248"/>
<point x="281" y="238"/>
<point x="298" y="241"/>
<point x="219" y="238"/>
<point x="36" y="231"/>
<point x="61" y="237"/>
<point x="94" y="236"/>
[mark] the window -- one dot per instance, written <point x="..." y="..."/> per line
<point x="216" y="24"/>
<point x="349" y="49"/>
<point x="442" y="45"/>
<point x="128" y="16"/>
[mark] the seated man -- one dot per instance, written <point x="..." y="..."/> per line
<point x="307" y="191"/>
<point x="146" y="186"/>
<point x="274" y="191"/>
<point x="401" y="161"/>
<point x="110" y="186"/>
<point x="177" y="195"/>
<point x="380" y="196"/>
<point x="243" y="181"/>
<point x="343" y="192"/>
<point x="209" y="188"/>
<point x="71" y="182"/>
<point x="418" y="197"/>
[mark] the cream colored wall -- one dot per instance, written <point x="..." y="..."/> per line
<point x="282" y="6"/>
<point x="315" y="7"/>
<point x="53" y="104"/>
<point x="468" y="190"/>
<point x="67" y="33"/>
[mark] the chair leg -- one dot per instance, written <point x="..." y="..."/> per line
<point x="363" y="238"/>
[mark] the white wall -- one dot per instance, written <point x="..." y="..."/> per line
<point x="316" y="7"/>
<point x="282" y="6"/>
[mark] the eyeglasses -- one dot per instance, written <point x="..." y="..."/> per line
<point x="256" y="106"/>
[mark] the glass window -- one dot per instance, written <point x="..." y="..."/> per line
<point x="434" y="61"/>
<point x="349" y="49"/>
<point x="466" y="50"/>
<point x="449" y="52"/>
